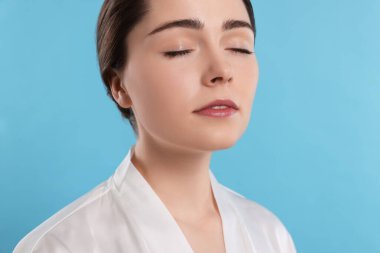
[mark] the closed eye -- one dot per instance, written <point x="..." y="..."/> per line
<point x="241" y="50"/>
<point x="172" y="54"/>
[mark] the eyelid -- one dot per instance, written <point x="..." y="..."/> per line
<point x="172" y="54"/>
<point x="178" y="53"/>
<point x="241" y="50"/>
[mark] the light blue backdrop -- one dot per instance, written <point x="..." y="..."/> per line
<point x="311" y="153"/>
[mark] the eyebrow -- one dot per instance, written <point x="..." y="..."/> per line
<point x="196" y="24"/>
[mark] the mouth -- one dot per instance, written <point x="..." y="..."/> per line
<point x="218" y="108"/>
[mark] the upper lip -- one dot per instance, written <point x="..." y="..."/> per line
<point x="226" y="102"/>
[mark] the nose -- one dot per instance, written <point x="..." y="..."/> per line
<point x="218" y="71"/>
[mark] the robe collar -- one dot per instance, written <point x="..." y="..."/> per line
<point x="155" y="224"/>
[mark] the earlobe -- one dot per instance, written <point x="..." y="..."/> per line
<point x="119" y="93"/>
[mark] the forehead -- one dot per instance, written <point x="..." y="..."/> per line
<point x="196" y="7"/>
<point x="211" y="12"/>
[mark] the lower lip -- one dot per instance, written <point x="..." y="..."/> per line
<point x="217" y="113"/>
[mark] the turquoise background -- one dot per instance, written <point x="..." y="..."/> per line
<point x="311" y="152"/>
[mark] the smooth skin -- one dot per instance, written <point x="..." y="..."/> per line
<point x="174" y="147"/>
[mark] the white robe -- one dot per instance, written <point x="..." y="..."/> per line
<point x="125" y="215"/>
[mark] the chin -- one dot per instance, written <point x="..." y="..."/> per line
<point x="217" y="140"/>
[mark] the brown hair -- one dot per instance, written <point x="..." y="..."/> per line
<point x="116" y="19"/>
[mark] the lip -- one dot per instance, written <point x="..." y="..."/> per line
<point x="226" y="102"/>
<point x="217" y="113"/>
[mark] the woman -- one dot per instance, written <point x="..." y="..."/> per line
<point x="184" y="74"/>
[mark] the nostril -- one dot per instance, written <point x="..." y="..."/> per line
<point x="221" y="78"/>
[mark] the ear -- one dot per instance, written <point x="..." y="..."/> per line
<point x="119" y="93"/>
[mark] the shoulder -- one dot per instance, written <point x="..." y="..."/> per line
<point x="262" y="224"/>
<point x="49" y="235"/>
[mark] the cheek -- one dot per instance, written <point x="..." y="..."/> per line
<point x="247" y="80"/>
<point x="246" y="85"/>
<point x="163" y="94"/>
<point x="253" y="78"/>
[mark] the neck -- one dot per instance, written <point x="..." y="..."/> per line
<point x="179" y="177"/>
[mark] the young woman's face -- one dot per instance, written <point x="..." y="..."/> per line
<point x="166" y="90"/>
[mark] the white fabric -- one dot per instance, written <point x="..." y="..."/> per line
<point x="124" y="215"/>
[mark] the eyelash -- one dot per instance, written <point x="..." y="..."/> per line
<point x="172" y="54"/>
